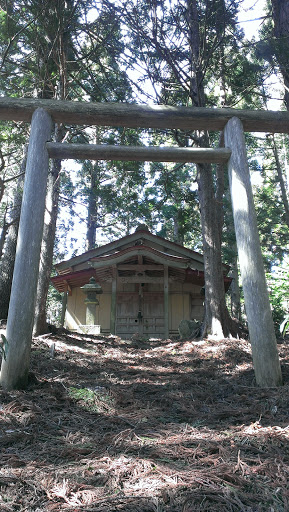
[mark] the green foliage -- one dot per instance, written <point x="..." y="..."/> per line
<point x="54" y="306"/>
<point x="278" y="284"/>
<point x="97" y="400"/>
<point x="273" y="230"/>
<point x="12" y="142"/>
<point x="172" y="202"/>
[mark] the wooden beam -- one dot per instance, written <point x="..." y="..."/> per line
<point x="260" y="323"/>
<point x="166" y="300"/>
<point x="14" y="371"/>
<point x="63" y="309"/>
<point x="113" y="300"/>
<point x="122" y="257"/>
<point x="143" y="116"/>
<point x="68" y="288"/>
<point x="137" y="153"/>
<point x="140" y="268"/>
<point x="140" y="279"/>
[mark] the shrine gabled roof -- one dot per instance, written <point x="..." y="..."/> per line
<point x="154" y="254"/>
<point x="140" y="236"/>
<point x="101" y="267"/>
<point x="72" y="279"/>
<point x="65" y="282"/>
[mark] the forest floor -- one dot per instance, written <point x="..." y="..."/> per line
<point x="149" y="426"/>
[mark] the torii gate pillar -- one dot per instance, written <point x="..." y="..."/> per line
<point x="14" y="371"/>
<point x="260" y="323"/>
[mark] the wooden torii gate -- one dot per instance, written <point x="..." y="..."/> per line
<point x="42" y="113"/>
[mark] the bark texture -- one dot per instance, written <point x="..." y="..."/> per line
<point x="8" y="257"/>
<point x="92" y="214"/>
<point x="281" y="182"/>
<point x="260" y="323"/>
<point x="14" y="370"/>
<point x="143" y="116"/>
<point x="135" y="153"/>
<point x="281" y="44"/>
<point x="217" y="319"/>
<point x="46" y="257"/>
<point x="235" y="291"/>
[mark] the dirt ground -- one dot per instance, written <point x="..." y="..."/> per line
<point x="149" y="426"/>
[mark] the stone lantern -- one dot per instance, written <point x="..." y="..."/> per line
<point x="91" y="290"/>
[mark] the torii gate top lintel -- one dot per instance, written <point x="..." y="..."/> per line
<point x="143" y="116"/>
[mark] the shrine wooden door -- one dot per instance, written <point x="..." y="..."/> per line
<point x="153" y="314"/>
<point x="141" y="314"/>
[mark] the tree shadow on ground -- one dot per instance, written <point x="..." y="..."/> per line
<point x="162" y="426"/>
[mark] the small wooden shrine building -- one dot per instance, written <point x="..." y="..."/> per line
<point x="148" y="283"/>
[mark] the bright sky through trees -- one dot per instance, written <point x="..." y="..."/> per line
<point x="251" y="16"/>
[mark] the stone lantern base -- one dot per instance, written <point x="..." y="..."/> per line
<point x="89" y="329"/>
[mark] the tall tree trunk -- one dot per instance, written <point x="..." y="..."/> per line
<point x="281" y="182"/>
<point x="127" y="227"/>
<point x="176" y="228"/>
<point x="217" y="320"/>
<point x="47" y="246"/>
<point x="5" y="227"/>
<point x="235" y="290"/>
<point x="92" y="214"/>
<point x="8" y="257"/>
<point x="64" y="12"/>
<point x="93" y="196"/>
<point x="281" y="45"/>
